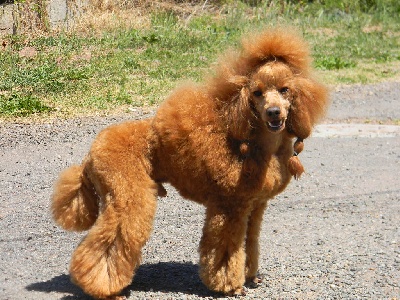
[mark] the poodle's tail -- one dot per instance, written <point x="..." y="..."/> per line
<point x="75" y="204"/>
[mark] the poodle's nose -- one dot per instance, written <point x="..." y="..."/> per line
<point x="273" y="112"/>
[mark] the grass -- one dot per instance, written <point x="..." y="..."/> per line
<point x="16" y="105"/>
<point x="109" y="69"/>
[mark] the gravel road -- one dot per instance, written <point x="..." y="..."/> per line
<point x="334" y="234"/>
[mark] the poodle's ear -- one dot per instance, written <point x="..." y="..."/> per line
<point x="308" y="106"/>
<point x="239" y="115"/>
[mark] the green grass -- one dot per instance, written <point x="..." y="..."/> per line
<point x="15" y="105"/>
<point x="73" y="73"/>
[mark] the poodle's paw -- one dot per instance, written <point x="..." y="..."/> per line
<point x="116" y="298"/>
<point x="223" y="281"/>
<point x="99" y="272"/>
<point x="254" y="282"/>
<point x="237" y="292"/>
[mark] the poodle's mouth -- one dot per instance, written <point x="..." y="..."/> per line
<point x="276" y="125"/>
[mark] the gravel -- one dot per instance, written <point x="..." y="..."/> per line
<point x="334" y="234"/>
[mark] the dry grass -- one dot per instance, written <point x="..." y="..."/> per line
<point x="365" y="72"/>
<point x="32" y="18"/>
<point x="106" y="15"/>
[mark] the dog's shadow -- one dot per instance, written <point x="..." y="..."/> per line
<point x="167" y="277"/>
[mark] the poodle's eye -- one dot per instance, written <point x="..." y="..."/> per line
<point x="284" y="90"/>
<point x="257" y="93"/>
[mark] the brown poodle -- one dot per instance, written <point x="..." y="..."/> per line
<point x="226" y="143"/>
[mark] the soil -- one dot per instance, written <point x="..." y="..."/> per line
<point x="334" y="234"/>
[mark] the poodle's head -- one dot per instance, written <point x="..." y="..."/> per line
<point x="271" y="87"/>
<point x="269" y="94"/>
<point x="275" y="98"/>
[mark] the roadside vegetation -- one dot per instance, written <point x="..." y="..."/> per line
<point x="119" y="56"/>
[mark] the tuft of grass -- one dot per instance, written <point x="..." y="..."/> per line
<point x="111" y="65"/>
<point x="333" y="63"/>
<point x="22" y="105"/>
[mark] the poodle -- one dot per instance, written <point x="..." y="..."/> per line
<point x="229" y="143"/>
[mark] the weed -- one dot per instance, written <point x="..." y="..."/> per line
<point x="333" y="63"/>
<point x="21" y="105"/>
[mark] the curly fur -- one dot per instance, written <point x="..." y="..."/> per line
<point x="226" y="143"/>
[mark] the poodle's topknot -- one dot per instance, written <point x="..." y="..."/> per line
<point x="280" y="43"/>
<point x="234" y="66"/>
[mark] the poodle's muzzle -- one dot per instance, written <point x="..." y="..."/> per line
<point x="275" y="113"/>
<point x="275" y="121"/>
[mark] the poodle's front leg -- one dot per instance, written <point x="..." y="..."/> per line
<point x="252" y="244"/>
<point x="222" y="256"/>
<point x="105" y="261"/>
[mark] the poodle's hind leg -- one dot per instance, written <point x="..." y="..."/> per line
<point x="252" y="244"/>
<point x="105" y="261"/>
<point x="222" y="256"/>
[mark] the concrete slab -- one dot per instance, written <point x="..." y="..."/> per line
<point x="6" y="19"/>
<point x="57" y="12"/>
<point x="356" y="130"/>
<point x="61" y="14"/>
